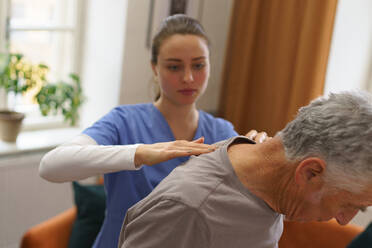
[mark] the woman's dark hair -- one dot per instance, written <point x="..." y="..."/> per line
<point x="175" y="24"/>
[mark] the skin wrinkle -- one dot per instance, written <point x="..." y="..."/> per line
<point x="297" y="200"/>
<point x="278" y="189"/>
<point x="330" y="155"/>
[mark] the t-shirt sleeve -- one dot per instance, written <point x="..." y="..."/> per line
<point x="166" y="224"/>
<point x="105" y="130"/>
<point x="226" y="129"/>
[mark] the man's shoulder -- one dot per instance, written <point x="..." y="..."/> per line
<point x="190" y="183"/>
<point x="188" y="186"/>
<point x="173" y="195"/>
<point x="163" y="216"/>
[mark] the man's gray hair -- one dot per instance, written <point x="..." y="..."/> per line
<point x="337" y="129"/>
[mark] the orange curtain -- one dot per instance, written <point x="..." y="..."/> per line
<point x="276" y="60"/>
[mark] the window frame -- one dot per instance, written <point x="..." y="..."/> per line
<point x="75" y="29"/>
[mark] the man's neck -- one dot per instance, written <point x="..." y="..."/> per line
<point x="261" y="169"/>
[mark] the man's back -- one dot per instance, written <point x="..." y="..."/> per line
<point x="202" y="204"/>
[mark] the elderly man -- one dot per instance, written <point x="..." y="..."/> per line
<point x="318" y="168"/>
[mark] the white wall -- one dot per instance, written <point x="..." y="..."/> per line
<point x="136" y="71"/>
<point x="350" y="61"/>
<point x="215" y="18"/>
<point x="3" y="7"/>
<point x="102" y="60"/>
<point x="136" y="78"/>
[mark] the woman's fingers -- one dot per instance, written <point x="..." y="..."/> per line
<point x="199" y="140"/>
<point x="261" y="137"/>
<point x="251" y="134"/>
<point x="150" y="154"/>
<point x="192" y="147"/>
<point x="258" y="137"/>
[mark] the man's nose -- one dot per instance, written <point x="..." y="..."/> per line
<point x="345" y="217"/>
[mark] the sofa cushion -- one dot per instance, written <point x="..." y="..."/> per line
<point x="90" y="203"/>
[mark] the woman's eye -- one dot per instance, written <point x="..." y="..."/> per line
<point x="199" y="66"/>
<point x="173" y="67"/>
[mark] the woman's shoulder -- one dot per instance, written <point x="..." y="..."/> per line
<point x="126" y="113"/>
<point x="209" y="119"/>
<point x="141" y="109"/>
<point x="133" y="107"/>
<point x="122" y="121"/>
<point x="215" y="128"/>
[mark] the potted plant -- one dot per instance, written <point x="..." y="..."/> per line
<point x="18" y="76"/>
<point x="63" y="97"/>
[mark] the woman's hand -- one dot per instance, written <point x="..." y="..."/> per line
<point x="151" y="154"/>
<point x="258" y="137"/>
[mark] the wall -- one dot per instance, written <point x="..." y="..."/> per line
<point x="136" y="71"/>
<point x="350" y="61"/>
<point x="3" y="7"/>
<point x="137" y="75"/>
<point x="103" y="43"/>
<point x="26" y="199"/>
<point x="216" y="20"/>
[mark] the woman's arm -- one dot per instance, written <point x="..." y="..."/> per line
<point x="83" y="157"/>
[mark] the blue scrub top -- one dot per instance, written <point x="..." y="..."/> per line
<point x="141" y="123"/>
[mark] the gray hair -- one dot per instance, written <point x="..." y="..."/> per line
<point x="337" y="129"/>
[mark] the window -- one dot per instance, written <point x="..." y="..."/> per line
<point x="44" y="31"/>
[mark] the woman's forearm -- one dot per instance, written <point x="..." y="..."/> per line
<point x="82" y="158"/>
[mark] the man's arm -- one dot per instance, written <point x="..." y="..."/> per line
<point x="167" y="224"/>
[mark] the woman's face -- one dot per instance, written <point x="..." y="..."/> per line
<point x="182" y="70"/>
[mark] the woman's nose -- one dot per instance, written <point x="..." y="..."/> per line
<point x="188" y="77"/>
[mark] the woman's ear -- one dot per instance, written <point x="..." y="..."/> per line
<point x="310" y="171"/>
<point x="154" y="69"/>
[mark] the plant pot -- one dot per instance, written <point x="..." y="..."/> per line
<point x="10" y="125"/>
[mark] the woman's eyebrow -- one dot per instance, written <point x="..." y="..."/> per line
<point x="179" y="60"/>
<point x="198" y="58"/>
<point x="173" y="59"/>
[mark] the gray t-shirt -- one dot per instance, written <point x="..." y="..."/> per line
<point x="202" y="204"/>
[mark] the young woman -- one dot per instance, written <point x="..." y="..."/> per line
<point x="180" y="64"/>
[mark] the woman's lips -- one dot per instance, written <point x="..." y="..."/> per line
<point x="187" y="92"/>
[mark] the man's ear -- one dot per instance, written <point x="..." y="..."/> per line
<point x="310" y="171"/>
